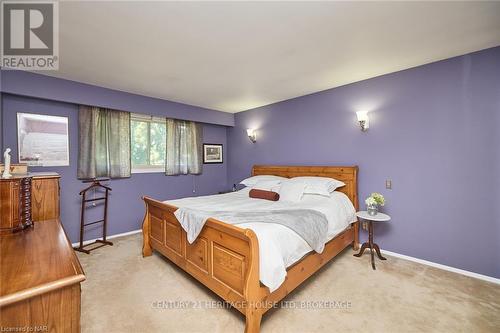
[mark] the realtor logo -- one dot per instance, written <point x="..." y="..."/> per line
<point x="30" y="35"/>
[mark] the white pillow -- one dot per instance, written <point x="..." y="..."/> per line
<point x="319" y="185"/>
<point x="251" y="181"/>
<point x="267" y="185"/>
<point x="291" y="191"/>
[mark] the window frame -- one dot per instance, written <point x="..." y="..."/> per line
<point x="147" y="168"/>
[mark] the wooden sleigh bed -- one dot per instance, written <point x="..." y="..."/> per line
<point x="225" y="258"/>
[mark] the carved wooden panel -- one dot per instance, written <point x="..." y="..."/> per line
<point x="156" y="212"/>
<point x="228" y="267"/>
<point x="173" y="237"/>
<point x="10" y="199"/>
<point x="45" y="198"/>
<point x="15" y="195"/>
<point x="197" y="253"/>
<point x="157" y="232"/>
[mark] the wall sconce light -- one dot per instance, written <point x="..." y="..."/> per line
<point x="364" y="121"/>
<point x="252" y="135"/>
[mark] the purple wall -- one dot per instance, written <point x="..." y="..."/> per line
<point x="432" y="131"/>
<point x="126" y="209"/>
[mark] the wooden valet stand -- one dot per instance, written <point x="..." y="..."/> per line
<point x="370" y="244"/>
<point x="103" y="242"/>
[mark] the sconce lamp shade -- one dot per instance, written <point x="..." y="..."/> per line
<point x="363" y="120"/>
<point x="252" y="135"/>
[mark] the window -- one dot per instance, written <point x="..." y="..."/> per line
<point x="148" y="143"/>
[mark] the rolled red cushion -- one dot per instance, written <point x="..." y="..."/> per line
<point x="266" y="195"/>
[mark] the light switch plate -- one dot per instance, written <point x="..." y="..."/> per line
<point x="388" y="184"/>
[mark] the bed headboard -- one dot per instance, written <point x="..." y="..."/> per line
<point x="348" y="175"/>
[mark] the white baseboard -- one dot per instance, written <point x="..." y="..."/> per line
<point x="446" y="268"/>
<point x="109" y="237"/>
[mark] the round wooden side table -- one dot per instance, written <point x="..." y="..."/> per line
<point x="380" y="217"/>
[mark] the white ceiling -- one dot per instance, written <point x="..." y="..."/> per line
<point x="241" y="55"/>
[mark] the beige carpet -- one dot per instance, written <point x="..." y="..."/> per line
<point x="400" y="296"/>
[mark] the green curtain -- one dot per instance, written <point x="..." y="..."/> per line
<point x="104" y="143"/>
<point x="184" y="148"/>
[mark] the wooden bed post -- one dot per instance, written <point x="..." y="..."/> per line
<point x="355" y="244"/>
<point x="146" y="246"/>
<point x="355" y="202"/>
<point x="253" y="307"/>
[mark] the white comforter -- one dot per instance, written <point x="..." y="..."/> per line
<point x="279" y="246"/>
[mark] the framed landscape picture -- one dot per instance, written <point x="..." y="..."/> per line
<point x="42" y="140"/>
<point x="212" y="153"/>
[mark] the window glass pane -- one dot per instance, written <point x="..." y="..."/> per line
<point x="139" y="142"/>
<point x="158" y="143"/>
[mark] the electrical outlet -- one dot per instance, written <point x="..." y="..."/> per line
<point x="388" y="184"/>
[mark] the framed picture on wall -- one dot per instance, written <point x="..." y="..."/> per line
<point x="212" y="153"/>
<point x="42" y="140"/>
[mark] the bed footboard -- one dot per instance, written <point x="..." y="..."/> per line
<point x="225" y="258"/>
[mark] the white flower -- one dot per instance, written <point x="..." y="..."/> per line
<point x="370" y="201"/>
<point x="379" y="198"/>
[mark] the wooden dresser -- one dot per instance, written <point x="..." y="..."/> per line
<point x="40" y="279"/>
<point x="26" y="198"/>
